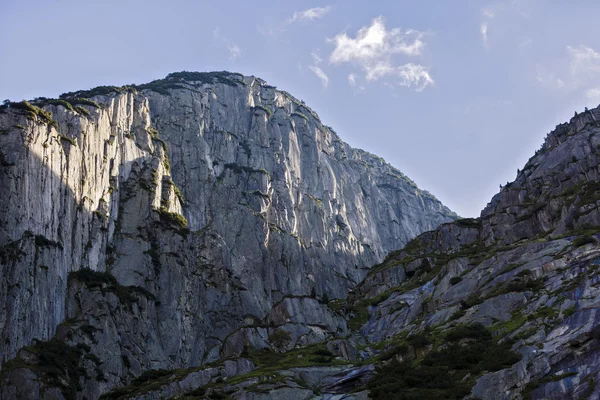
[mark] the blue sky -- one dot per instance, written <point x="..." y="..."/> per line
<point x="456" y="94"/>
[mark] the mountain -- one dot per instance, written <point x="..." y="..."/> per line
<point x="504" y="306"/>
<point x="184" y="225"/>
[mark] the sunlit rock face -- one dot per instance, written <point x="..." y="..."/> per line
<point x="179" y="223"/>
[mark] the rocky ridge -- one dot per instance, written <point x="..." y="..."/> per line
<point x="177" y="224"/>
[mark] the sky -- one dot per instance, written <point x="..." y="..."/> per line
<point x="456" y="94"/>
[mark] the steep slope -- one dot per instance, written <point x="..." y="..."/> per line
<point x="527" y="270"/>
<point x="123" y="249"/>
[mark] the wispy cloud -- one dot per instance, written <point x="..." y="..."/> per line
<point x="578" y="72"/>
<point x="318" y="71"/>
<point x="310" y="14"/>
<point x="320" y="74"/>
<point x="498" y="22"/>
<point x="275" y="29"/>
<point x="352" y="79"/>
<point x="374" y="50"/>
<point x="488" y="15"/>
<point x="549" y="79"/>
<point x="484" y="34"/>
<point x="234" y="50"/>
<point x="316" y="58"/>
<point x="593" y="94"/>
<point x="525" y="43"/>
<point x="584" y="60"/>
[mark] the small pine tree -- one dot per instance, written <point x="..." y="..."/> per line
<point x="325" y="298"/>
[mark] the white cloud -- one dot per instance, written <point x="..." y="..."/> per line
<point x="234" y="50"/>
<point x="526" y="42"/>
<point x="581" y="68"/>
<point x="498" y="21"/>
<point x="549" y="79"/>
<point x="352" y="79"/>
<point x="484" y="34"/>
<point x="584" y="60"/>
<point x="593" y="94"/>
<point x="316" y="58"/>
<point x="374" y="49"/>
<point x="320" y="74"/>
<point x="414" y="75"/>
<point x="310" y="14"/>
<point x="488" y="15"/>
<point x="375" y="42"/>
<point x="578" y="72"/>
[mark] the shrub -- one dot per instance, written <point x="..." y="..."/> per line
<point x="70" y="140"/>
<point x="469" y="222"/>
<point x="58" y="364"/>
<point x="78" y="101"/>
<point x="32" y="112"/>
<point x="97" y="91"/>
<point x="297" y="114"/>
<point x="473" y="331"/>
<point x="471" y="301"/>
<point x="322" y="356"/>
<point x="106" y="282"/>
<point x="172" y="218"/>
<point x="583" y="240"/>
<point x="42" y="241"/>
<point x="280" y="338"/>
<point x="263" y="108"/>
<point x="419" y="341"/>
<point x="454" y="280"/>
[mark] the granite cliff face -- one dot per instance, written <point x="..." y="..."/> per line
<point x="180" y="223"/>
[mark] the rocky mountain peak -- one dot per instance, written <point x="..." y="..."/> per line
<point x="188" y="220"/>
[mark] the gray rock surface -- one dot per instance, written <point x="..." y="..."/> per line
<point x="527" y="270"/>
<point x="216" y="209"/>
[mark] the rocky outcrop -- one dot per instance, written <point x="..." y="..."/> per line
<point x="179" y="223"/>
<point x="526" y="271"/>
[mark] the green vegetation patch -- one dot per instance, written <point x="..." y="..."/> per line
<point x="238" y="169"/>
<point x="97" y="91"/>
<point x="57" y="364"/>
<point x="527" y="393"/>
<point x="270" y="361"/>
<point x="172" y="218"/>
<point x="263" y="108"/>
<point x="280" y="338"/>
<point x="175" y="80"/>
<point x="298" y="114"/>
<point x="31" y="112"/>
<point x="469" y="223"/>
<point x="11" y="252"/>
<point x="67" y="139"/>
<point x="106" y="282"/>
<point x="583" y="240"/>
<point x="448" y="372"/>
<point x="150" y="380"/>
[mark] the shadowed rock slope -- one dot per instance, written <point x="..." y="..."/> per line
<point x="498" y="307"/>
<point x="187" y="223"/>
<point x="503" y="306"/>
